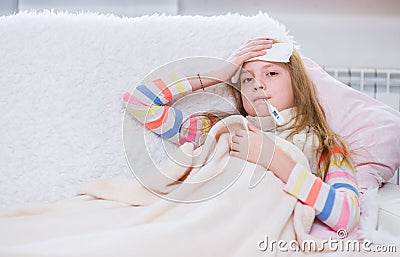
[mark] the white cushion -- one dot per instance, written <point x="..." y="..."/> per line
<point x="389" y="208"/>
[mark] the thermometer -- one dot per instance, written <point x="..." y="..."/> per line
<point x="275" y="113"/>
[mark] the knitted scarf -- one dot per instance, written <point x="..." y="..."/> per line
<point x="306" y="140"/>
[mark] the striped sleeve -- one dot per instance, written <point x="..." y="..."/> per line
<point x="335" y="199"/>
<point x="150" y="104"/>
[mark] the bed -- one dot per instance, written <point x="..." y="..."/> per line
<point x="63" y="120"/>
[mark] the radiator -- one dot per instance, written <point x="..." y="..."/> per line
<point x="381" y="84"/>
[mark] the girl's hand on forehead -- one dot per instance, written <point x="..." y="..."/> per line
<point x="252" y="48"/>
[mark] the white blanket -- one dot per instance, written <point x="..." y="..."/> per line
<point x="222" y="216"/>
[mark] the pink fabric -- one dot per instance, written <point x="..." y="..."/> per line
<point x="370" y="128"/>
<point x="191" y="137"/>
<point x="131" y="99"/>
<point x="339" y="174"/>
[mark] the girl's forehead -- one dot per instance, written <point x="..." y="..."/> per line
<point x="257" y="65"/>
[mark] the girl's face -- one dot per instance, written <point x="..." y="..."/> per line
<point x="265" y="80"/>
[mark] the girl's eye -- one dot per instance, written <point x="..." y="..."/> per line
<point x="272" y="73"/>
<point x="247" y="80"/>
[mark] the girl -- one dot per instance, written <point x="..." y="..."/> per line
<point x="330" y="188"/>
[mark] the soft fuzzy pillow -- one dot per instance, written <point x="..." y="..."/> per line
<point x="370" y="128"/>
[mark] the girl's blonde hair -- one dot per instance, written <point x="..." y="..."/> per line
<point x="309" y="112"/>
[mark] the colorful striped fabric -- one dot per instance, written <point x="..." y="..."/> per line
<point x="335" y="199"/>
<point x="148" y="104"/>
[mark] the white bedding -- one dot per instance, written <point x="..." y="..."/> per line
<point x="219" y="210"/>
<point x="62" y="77"/>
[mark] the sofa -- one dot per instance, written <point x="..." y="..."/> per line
<point x="62" y="77"/>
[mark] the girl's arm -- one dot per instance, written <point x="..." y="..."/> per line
<point x="335" y="198"/>
<point x="252" y="48"/>
<point x="149" y="101"/>
<point x="149" y="105"/>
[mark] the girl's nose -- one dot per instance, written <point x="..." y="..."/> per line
<point x="259" y="85"/>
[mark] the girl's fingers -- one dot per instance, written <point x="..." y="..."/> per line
<point x="251" y="52"/>
<point x="254" y="48"/>
<point x="234" y="147"/>
<point x="250" y="55"/>
<point x="235" y="139"/>
<point x="259" y="38"/>
<point x="234" y="154"/>
<point x="240" y="133"/>
<point x="259" y="41"/>
<point x="254" y="44"/>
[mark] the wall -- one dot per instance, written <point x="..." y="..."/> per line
<point x="8" y="7"/>
<point x="358" y="33"/>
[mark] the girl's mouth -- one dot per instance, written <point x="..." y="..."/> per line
<point x="262" y="98"/>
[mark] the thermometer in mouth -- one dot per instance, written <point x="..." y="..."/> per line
<point x="275" y="113"/>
